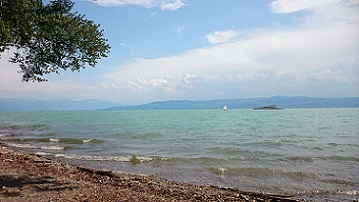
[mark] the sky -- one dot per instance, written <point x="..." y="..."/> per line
<point x="209" y="49"/>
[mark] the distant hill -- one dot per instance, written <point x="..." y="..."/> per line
<point x="18" y="104"/>
<point x="240" y="103"/>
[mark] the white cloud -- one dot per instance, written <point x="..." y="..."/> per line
<point x="172" y="5"/>
<point x="190" y="78"/>
<point x="143" y="83"/>
<point x="321" y="60"/>
<point x="289" y="6"/>
<point x="157" y="82"/>
<point x="217" y="37"/>
<point x="12" y="86"/>
<point x="163" y="4"/>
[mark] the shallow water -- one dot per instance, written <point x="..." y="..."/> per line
<point x="314" y="152"/>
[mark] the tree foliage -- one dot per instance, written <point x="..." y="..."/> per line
<point x="49" y="37"/>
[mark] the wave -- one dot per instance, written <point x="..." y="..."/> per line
<point x="38" y="127"/>
<point x="228" y="151"/>
<point x="42" y="147"/>
<point x="333" y="144"/>
<point x="318" y="148"/>
<point x="248" y="171"/>
<point x="299" y="158"/>
<point x="311" y="159"/>
<point x="298" y="175"/>
<point x="341" y="158"/>
<point x="350" y="193"/>
<point x="31" y="127"/>
<point x="259" y="171"/>
<point x="76" y="141"/>
<point x="203" y="160"/>
<point x="59" y="140"/>
<point x="148" y="136"/>
<point x="131" y="158"/>
<point x="94" y="158"/>
<point x="339" y="182"/>
<point x="312" y="193"/>
<point x="142" y="136"/>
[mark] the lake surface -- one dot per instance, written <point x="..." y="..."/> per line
<point x="311" y="152"/>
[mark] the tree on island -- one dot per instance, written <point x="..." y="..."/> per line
<point x="49" y="37"/>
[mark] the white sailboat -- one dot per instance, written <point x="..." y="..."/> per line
<point x="225" y="108"/>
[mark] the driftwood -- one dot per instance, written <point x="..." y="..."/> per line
<point x="261" y="196"/>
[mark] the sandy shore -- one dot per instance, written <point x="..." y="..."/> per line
<point x="29" y="177"/>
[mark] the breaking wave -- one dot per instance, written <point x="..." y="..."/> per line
<point x="42" y="147"/>
<point x="130" y="158"/>
<point x="59" y="140"/>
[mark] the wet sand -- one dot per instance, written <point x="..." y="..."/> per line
<point x="30" y="177"/>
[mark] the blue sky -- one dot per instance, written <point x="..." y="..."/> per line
<point x="209" y="49"/>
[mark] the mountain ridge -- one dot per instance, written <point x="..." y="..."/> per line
<point x="248" y="103"/>
<point x="23" y="104"/>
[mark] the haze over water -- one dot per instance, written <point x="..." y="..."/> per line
<point x="314" y="152"/>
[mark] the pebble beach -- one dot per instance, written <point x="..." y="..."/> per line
<point x="29" y="177"/>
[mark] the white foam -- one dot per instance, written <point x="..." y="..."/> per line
<point x="222" y="170"/>
<point x="52" y="147"/>
<point x="43" y="153"/>
<point x="88" y="140"/>
<point x="353" y="192"/>
<point x="94" y="158"/>
<point x="107" y="158"/>
<point x="29" y="146"/>
<point x="144" y="158"/>
<point x="5" y="134"/>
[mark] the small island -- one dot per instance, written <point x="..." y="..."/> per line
<point x="268" y="107"/>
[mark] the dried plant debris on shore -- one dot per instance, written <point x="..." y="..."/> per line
<point x="29" y="177"/>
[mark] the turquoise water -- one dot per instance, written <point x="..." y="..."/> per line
<point x="312" y="152"/>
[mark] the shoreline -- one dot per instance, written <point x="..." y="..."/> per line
<point x="38" y="178"/>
